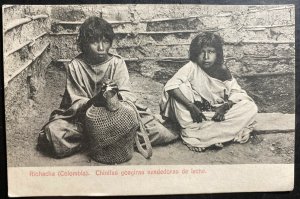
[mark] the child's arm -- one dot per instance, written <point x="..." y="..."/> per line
<point x="181" y="76"/>
<point x="75" y="97"/>
<point x="221" y="110"/>
<point x="196" y="113"/>
<point x="236" y="93"/>
<point x="120" y="76"/>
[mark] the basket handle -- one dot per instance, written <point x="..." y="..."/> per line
<point x="147" y="152"/>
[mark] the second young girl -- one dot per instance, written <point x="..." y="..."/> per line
<point x="206" y="101"/>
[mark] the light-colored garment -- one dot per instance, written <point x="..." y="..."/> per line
<point x="64" y="134"/>
<point x="84" y="82"/>
<point x="196" y="85"/>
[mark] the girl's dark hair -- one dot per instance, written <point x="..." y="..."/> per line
<point x="207" y="39"/>
<point x="91" y="30"/>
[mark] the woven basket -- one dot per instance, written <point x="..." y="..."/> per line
<point x="116" y="153"/>
<point x="111" y="133"/>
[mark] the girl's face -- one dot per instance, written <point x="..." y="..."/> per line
<point x="207" y="57"/>
<point x="99" y="49"/>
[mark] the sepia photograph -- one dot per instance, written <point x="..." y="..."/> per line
<point x="138" y="90"/>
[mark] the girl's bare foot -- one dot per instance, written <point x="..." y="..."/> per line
<point x="219" y="145"/>
<point x="196" y="149"/>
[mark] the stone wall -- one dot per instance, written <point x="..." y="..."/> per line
<point x="154" y="40"/>
<point x="26" y="56"/>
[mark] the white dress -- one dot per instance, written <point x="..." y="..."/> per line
<point x="196" y="85"/>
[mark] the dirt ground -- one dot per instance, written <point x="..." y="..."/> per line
<point x="22" y="136"/>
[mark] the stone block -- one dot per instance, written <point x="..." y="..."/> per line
<point x="234" y="51"/>
<point x="284" y="50"/>
<point x="149" y="68"/>
<point x="154" y="51"/>
<point x="133" y="40"/>
<point x="160" y="39"/>
<point x="275" y="123"/>
<point x="260" y="34"/>
<point x="179" y="24"/>
<point x="258" y="18"/>
<point x="145" y="12"/>
<point x="232" y="34"/>
<point x="217" y="22"/>
<point x="265" y="65"/>
<point x="281" y="16"/>
<point x="235" y="66"/>
<point x="283" y="33"/>
<point x="160" y="71"/>
<point x="260" y="50"/>
<point x="174" y="38"/>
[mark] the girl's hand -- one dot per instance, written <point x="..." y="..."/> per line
<point x="220" y="113"/>
<point x="196" y="113"/>
<point x="221" y="110"/>
<point x="111" y="83"/>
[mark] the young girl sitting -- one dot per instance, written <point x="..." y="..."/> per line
<point x="63" y="135"/>
<point x="206" y="101"/>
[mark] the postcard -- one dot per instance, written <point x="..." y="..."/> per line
<point x="149" y="99"/>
